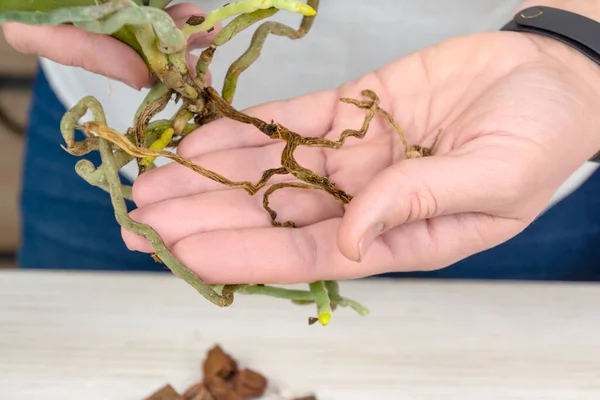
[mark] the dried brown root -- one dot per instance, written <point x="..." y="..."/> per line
<point x="123" y="143"/>
<point x="372" y="107"/>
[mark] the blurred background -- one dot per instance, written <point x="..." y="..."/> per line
<point x="16" y="73"/>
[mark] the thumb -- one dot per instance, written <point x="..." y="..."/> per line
<point x="418" y="189"/>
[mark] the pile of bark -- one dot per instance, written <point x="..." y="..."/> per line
<point x="222" y="380"/>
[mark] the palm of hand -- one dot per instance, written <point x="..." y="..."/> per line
<point x="503" y="113"/>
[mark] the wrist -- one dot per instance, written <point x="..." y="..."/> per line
<point x="583" y="72"/>
<point x="587" y="8"/>
<point x="566" y="54"/>
<point x="569" y="56"/>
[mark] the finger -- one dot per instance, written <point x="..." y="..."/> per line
<point x="202" y="40"/>
<point x="308" y="115"/>
<point x="181" y="13"/>
<point x="288" y="256"/>
<point x="178" y="218"/>
<point x="100" y="54"/>
<point x="174" y="180"/>
<point x="419" y="189"/>
<point x="118" y="61"/>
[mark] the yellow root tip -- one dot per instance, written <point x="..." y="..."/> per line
<point x="160" y="144"/>
<point x="306" y="10"/>
<point x="324" y="319"/>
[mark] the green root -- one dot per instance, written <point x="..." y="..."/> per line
<point x="246" y="7"/>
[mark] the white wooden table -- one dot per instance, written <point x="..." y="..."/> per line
<point x="101" y="336"/>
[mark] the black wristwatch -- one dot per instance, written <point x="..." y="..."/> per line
<point x="575" y="30"/>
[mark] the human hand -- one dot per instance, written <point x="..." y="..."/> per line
<point x="100" y="54"/>
<point x="518" y="118"/>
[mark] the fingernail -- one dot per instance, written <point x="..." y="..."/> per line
<point x="368" y="238"/>
<point x="130" y="84"/>
<point x="148" y="83"/>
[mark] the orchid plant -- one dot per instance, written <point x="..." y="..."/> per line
<point x="146" y="27"/>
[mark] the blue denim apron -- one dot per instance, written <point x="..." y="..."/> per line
<point x="68" y="224"/>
